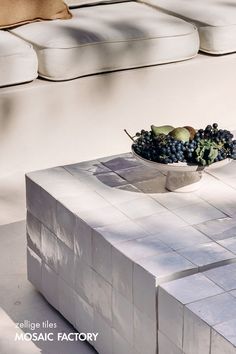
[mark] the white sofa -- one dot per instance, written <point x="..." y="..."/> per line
<point x="45" y="123"/>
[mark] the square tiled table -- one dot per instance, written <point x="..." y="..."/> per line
<point x="117" y="254"/>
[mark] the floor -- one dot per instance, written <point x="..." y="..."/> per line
<point x="12" y="198"/>
<point x="19" y="301"/>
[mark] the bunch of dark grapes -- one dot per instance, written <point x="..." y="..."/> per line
<point x="162" y="148"/>
<point x="144" y="145"/>
<point x="222" y="138"/>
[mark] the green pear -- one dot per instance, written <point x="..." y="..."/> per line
<point x="164" y="129"/>
<point x="181" y="134"/>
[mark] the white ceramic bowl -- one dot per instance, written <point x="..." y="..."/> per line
<point x="180" y="166"/>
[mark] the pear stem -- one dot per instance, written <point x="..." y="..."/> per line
<point x="129" y="135"/>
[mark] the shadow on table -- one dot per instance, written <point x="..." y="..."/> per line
<point x="127" y="174"/>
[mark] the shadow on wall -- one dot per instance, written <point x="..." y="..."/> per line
<point x="228" y="3"/>
<point x="101" y="58"/>
<point x="6" y="111"/>
<point x="44" y="111"/>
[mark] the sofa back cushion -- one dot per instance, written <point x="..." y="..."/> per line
<point x="77" y="3"/>
<point x="18" y="12"/>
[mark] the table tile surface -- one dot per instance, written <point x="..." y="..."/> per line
<point x="119" y="234"/>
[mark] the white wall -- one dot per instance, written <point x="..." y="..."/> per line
<point x="45" y="124"/>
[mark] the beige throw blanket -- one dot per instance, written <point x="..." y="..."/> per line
<point x="18" y="12"/>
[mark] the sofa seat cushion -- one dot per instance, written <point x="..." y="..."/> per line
<point x="109" y="37"/>
<point x="18" y="60"/>
<point x="215" y="19"/>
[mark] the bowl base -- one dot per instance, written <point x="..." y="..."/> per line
<point x="183" y="182"/>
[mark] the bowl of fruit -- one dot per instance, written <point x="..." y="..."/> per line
<point x="183" y="152"/>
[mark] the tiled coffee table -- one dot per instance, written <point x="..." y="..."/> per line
<point x="117" y="254"/>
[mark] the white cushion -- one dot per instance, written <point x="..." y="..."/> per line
<point x="18" y="60"/>
<point x="215" y="19"/>
<point x="109" y="37"/>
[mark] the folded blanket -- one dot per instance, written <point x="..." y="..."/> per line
<point x="18" y="12"/>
